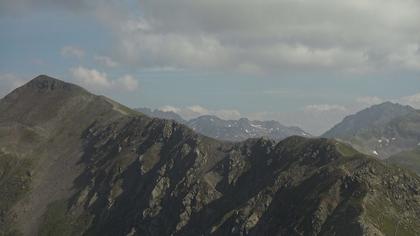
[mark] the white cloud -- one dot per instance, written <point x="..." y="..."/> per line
<point x="106" y="61"/>
<point x="99" y="81"/>
<point x="90" y="78"/>
<point x="251" y="36"/>
<point x="72" y="51"/>
<point x="8" y="82"/>
<point x="412" y="100"/>
<point x="198" y="109"/>
<point x="369" y="100"/>
<point x="228" y="114"/>
<point x="407" y="57"/>
<point x="190" y="112"/>
<point x="20" y="7"/>
<point x="268" y="36"/>
<point x="127" y="82"/>
<point x="324" y="108"/>
<point x="168" y="108"/>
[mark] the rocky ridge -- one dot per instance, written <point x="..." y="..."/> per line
<point x="93" y="167"/>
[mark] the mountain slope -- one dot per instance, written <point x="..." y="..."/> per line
<point x="91" y="166"/>
<point x="408" y="159"/>
<point x="380" y="130"/>
<point x="40" y="128"/>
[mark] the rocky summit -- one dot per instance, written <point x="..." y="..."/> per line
<point x="73" y="163"/>
<point x="381" y="130"/>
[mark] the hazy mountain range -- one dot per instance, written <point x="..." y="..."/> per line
<point x="230" y="130"/>
<point x="73" y="163"/>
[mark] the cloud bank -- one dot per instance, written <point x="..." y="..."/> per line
<point x="72" y="51"/>
<point x="268" y="36"/>
<point x="97" y="81"/>
<point x="8" y="82"/>
<point x="194" y="111"/>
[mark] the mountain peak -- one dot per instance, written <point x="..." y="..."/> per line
<point x="47" y="83"/>
<point x="373" y="116"/>
<point x="382" y="129"/>
<point x="390" y="105"/>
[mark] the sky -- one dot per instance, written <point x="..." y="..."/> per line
<point x="302" y="62"/>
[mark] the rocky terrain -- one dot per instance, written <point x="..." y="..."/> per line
<point x="230" y="130"/>
<point x="73" y="163"/>
<point x="381" y="130"/>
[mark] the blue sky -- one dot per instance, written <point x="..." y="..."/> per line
<point x="305" y="63"/>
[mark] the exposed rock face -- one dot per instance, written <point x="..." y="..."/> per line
<point x="133" y="175"/>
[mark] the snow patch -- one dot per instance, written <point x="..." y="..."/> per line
<point x="256" y="126"/>
<point x="375" y="152"/>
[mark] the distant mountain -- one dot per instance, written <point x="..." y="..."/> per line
<point x="381" y="130"/>
<point x="230" y="130"/>
<point x="242" y="129"/>
<point x="73" y="163"/>
<point x="408" y="159"/>
<point x="168" y="115"/>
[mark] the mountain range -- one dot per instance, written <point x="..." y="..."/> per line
<point x="74" y="163"/>
<point x="380" y="130"/>
<point x="230" y="130"/>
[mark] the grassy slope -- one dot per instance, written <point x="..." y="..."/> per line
<point x="407" y="159"/>
<point x="15" y="177"/>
